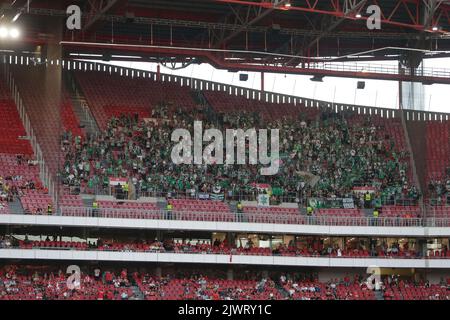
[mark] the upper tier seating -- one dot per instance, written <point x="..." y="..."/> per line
<point x="315" y="290"/>
<point x="19" y="173"/>
<point x="400" y="211"/>
<point x="270" y="210"/>
<point x="199" y="205"/>
<point x="191" y="209"/>
<point x="338" y="169"/>
<point x="271" y="215"/>
<point x="438" y="149"/>
<point x="118" y="209"/>
<point x="46" y="284"/>
<point x="411" y="291"/>
<point x="128" y="205"/>
<point x="47" y="107"/>
<point x="438" y="167"/>
<point x="441" y="211"/>
<point x="11" y="127"/>
<point x="223" y="102"/>
<point x="339" y="213"/>
<point x="53" y="245"/>
<point x="11" y="130"/>
<point x="176" y="289"/>
<point x="4" y="207"/>
<point x="36" y="202"/>
<point x="109" y="95"/>
<point x="70" y="120"/>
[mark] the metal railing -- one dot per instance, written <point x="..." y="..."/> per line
<point x="438" y="222"/>
<point x="376" y="68"/>
<point x="235" y="196"/>
<point x="252" y="217"/>
<point x="232" y="251"/>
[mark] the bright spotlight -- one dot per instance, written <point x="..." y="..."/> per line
<point x="14" y="33"/>
<point x="358" y="15"/>
<point x="18" y="14"/>
<point x="3" y="32"/>
<point x="435" y="28"/>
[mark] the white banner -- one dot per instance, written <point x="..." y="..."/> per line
<point x="263" y="200"/>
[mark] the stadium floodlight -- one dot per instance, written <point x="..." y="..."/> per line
<point x="14" y="33"/>
<point x="3" y="32"/>
<point x="14" y="19"/>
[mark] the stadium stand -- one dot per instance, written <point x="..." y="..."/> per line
<point x="390" y="172"/>
<point x="393" y="178"/>
<point x="114" y="98"/>
<point x="309" y="248"/>
<point x="93" y="205"/>
<point x="21" y="282"/>
<point x="47" y="284"/>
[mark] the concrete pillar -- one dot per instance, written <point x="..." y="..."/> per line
<point x="422" y="247"/>
<point x="411" y="94"/>
<point x="158" y="271"/>
<point x="230" y="274"/>
<point x="262" y="81"/>
<point x="230" y="238"/>
<point x="85" y="233"/>
<point x="53" y="88"/>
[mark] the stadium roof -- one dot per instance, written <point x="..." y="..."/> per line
<point x="271" y="35"/>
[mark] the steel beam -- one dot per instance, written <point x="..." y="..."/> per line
<point x="442" y="77"/>
<point x="96" y="9"/>
<point x="411" y="9"/>
<point x="251" y="18"/>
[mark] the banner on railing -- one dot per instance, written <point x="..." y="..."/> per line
<point x="262" y="187"/>
<point x="117" y="181"/>
<point x="334" y="203"/>
<point x="203" y="196"/>
<point x="263" y="200"/>
<point x="216" y="196"/>
<point x="363" y="190"/>
<point x="348" y="203"/>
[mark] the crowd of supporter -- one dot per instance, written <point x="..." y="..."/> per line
<point x="439" y="189"/>
<point x="309" y="249"/>
<point x="18" y="184"/>
<point x="40" y="283"/>
<point x="308" y="287"/>
<point x="339" y="154"/>
<point x="392" y="287"/>
<point x="395" y="288"/>
<point x="197" y="286"/>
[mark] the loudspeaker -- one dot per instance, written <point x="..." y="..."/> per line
<point x="361" y="85"/>
<point x="243" y="77"/>
<point x="276" y="27"/>
<point x="129" y="17"/>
